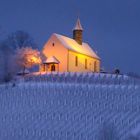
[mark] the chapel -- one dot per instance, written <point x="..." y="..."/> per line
<point x="65" y="54"/>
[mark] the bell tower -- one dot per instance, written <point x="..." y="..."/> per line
<point x="78" y="32"/>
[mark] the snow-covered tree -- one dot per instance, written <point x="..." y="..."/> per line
<point x="27" y="57"/>
<point x="13" y="48"/>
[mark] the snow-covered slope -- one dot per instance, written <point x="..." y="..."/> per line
<point x="68" y="109"/>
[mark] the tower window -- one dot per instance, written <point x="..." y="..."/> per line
<point x="85" y="63"/>
<point x="76" y="61"/>
<point x="53" y="44"/>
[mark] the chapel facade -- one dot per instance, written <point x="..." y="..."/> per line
<point x="64" y="54"/>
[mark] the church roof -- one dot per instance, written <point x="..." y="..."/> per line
<point x="71" y="44"/>
<point x="52" y="59"/>
<point x="78" y="25"/>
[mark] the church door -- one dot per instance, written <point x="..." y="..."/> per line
<point x="53" y="67"/>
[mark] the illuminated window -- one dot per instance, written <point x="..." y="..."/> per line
<point x="76" y="61"/>
<point x="85" y="63"/>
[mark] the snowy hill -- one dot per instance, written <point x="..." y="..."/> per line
<point x="70" y="107"/>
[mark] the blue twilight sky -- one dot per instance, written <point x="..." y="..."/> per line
<point x="111" y="27"/>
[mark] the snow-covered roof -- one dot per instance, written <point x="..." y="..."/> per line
<point x="52" y="59"/>
<point x="71" y="44"/>
<point x="78" y="25"/>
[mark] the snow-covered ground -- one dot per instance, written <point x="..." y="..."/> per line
<point x="70" y="106"/>
<point x="88" y="78"/>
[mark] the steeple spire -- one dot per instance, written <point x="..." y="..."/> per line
<point x="78" y="25"/>
<point x="77" y="32"/>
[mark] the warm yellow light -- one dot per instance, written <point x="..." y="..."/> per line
<point x="35" y="60"/>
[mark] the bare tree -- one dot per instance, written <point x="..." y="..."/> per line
<point x="8" y="53"/>
<point x="7" y="65"/>
<point x="20" y="39"/>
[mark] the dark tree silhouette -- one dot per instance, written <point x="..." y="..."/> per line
<point x="117" y="71"/>
<point x="20" y="39"/>
<point x="7" y="65"/>
<point x="8" y="50"/>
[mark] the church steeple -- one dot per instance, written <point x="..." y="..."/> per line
<point x="78" y="32"/>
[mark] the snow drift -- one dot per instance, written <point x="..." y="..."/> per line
<point x="66" y="110"/>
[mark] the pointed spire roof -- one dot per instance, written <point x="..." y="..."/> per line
<point x="78" y="25"/>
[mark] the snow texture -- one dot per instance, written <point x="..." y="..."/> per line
<point x="69" y="106"/>
<point x="71" y="44"/>
<point x="78" y="25"/>
<point x="52" y="59"/>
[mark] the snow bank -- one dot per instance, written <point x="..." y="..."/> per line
<point x="67" y="110"/>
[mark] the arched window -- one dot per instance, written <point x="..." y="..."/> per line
<point x="76" y="61"/>
<point x="95" y="66"/>
<point x="53" y="44"/>
<point x="85" y="63"/>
